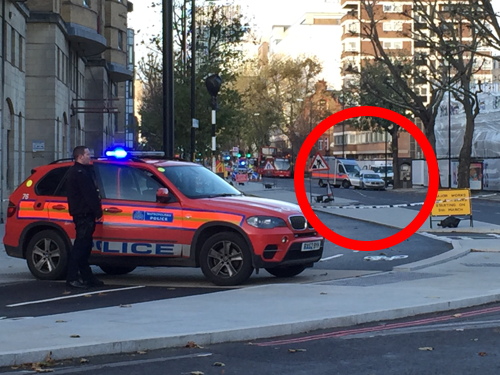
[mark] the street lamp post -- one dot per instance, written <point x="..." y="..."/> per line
<point x="193" y="81"/>
<point x="213" y="83"/>
<point x="449" y="126"/>
<point x="343" y="139"/>
<point x="385" y="179"/>
<point x="168" y="81"/>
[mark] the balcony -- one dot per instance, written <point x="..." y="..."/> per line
<point x="118" y="72"/>
<point x="83" y="26"/>
<point x="85" y="40"/>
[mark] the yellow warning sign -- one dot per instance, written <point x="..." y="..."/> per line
<point x="452" y="202"/>
<point x="219" y="167"/>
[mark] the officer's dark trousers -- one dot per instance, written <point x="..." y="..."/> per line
<point x="79" y="256"/>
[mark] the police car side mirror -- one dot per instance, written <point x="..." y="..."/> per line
<point x="163" y="195"/>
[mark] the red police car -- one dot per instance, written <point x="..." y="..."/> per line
<point x="160" y="213"/>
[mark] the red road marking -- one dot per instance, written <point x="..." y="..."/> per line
<point x="379" y="328"/>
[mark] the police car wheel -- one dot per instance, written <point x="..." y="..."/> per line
<point x="289" y="271"/>
<point x="116" y="270"/>
<point x="47" y="255"/>
<point x="225" y="259"/>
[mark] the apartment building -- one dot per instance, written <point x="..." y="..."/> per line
<point x="367" y="145"/>
<point x="399" y="35"/>
<point x="64" y="81"/>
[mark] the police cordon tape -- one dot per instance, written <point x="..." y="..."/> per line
<point x="400" y="205"/>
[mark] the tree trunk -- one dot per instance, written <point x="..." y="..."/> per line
<point x="466" y="150"/>
<point x="397" y="184"/>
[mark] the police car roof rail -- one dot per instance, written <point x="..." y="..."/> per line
<point x="61" y="160"/>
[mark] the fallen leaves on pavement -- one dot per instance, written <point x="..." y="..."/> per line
<point x="192" y="344"/>
<point x="426" y="348"/>
<point x="296" y="350"/>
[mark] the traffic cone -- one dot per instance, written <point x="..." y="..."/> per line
<point x="329" y="193"/>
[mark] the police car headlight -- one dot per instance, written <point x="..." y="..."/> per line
<point x="266" y="222"/>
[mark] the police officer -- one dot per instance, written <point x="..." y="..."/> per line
<point x="85" y="207"/>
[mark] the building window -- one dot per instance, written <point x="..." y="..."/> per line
<point x="392" y="26"/>
<point x="393" y="44"/>
<point x="351" y="46"/>
<point x="13" y="46"/>
<point x="21" y="55"/>
<point x="120" y="40"/>
<point x="353" y="27"/>
<point x="86" y="3"/>
<point x="393" y="8"/>
<point x="421" y="90"/>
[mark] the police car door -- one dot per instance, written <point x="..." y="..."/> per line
<point x="133" y="222"/>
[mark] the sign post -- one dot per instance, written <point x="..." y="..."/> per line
<point x="318" y="164"/>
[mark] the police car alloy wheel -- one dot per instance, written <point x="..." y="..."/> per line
<point x="226" y="260"/>
<point x="47" y="256"/>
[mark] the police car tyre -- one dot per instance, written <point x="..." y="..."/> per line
<point x="225" y="259"/>
<point x="116" y="270"/>
<point x="346" y="184"/>
<point x="47" y="255"/>
<point x="289" y="271"/>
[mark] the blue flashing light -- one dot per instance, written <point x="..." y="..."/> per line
<point x="242" y="162"/>
<point x="118" y="153"/>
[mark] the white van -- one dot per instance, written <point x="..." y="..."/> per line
<point x="338" y="173"/>
<point x="386" y="173"/>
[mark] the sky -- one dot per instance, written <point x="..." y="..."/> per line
<point x="146" y="19"/>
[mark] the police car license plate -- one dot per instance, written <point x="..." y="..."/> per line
<point x="311" y="246"/>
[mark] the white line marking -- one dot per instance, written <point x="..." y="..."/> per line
<point x="330" y="258"/>
<point x="73" y="296"/>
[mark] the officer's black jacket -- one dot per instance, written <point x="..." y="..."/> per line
<point x="83" y="195"/>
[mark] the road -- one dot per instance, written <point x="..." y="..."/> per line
<point x="456" y="342"/>
<point x="26" y="297"/>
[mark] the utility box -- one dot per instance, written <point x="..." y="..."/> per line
<point x="404" y="179"/>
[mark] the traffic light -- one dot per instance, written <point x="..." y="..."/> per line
<point x="239" y="155"/>
<point x="249" y="155"/>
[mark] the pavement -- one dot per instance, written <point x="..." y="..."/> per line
<point x="465" y="276"/>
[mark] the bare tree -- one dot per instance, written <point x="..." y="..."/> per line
<point x="448" y="39"/>
<point x="278" y="90"/>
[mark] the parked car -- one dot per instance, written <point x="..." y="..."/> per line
<point x="367" y="180"/>
<point x="160" y="213"/>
